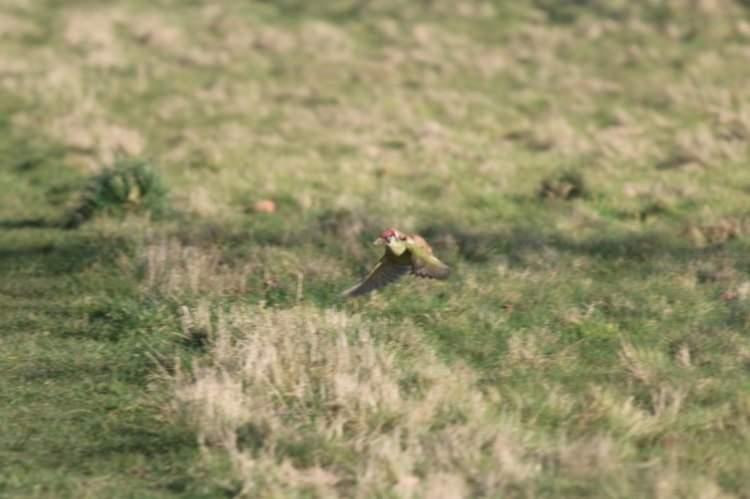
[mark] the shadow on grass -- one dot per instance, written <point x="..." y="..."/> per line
<point x="513" y="243"/>
<point x="69" y="255"/>
<point x="300" y="9"/>
<point x="29" y="223"/>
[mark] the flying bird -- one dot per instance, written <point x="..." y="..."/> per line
<point x="404" y="254"/>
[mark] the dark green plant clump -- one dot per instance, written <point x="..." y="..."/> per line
<point x="129" y="185"/>
<point x="568" y="185"/>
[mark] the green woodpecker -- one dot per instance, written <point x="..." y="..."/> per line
<point x="404" y="254"/>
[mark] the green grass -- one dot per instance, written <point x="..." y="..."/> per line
<point x="582" y="166"/>
<point x="80" y="349"/>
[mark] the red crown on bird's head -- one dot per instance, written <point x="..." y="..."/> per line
<point x="389" y="233"/>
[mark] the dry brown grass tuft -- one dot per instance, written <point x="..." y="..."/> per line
<point x="644" y="365"/>
<point x="719" y="232"/>
<point x="94" y="34"/>
<point x="311" y="401"/>
<point x="13" y="26"/>
<point x="176" y="269"/>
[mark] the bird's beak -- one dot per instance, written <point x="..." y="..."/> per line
<point x="379" y="241"/>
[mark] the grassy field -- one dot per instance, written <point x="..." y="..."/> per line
<point x="584" y="167"/>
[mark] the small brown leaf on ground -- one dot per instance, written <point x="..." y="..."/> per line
<point x="264" y="206"/>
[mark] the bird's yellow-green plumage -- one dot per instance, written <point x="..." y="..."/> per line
<point x="404" y="254"/>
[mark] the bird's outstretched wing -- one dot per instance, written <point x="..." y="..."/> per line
<point x="384" y="273"/>
<point x="426" y="265"/>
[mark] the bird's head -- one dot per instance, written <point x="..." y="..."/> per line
<point x="393" y="239"/>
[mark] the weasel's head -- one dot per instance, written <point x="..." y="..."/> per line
<point x="393" y="240"/>
<point x="390" y="236"/>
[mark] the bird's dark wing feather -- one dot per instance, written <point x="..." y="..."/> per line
<point x="426" y="265"/>
<point x="384" y="273"/>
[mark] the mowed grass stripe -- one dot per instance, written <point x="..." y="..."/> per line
<point x="82" y="414"/>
